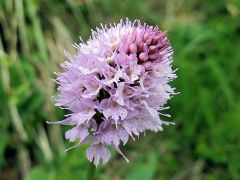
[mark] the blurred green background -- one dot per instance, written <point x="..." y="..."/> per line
<point x="204" y="144"/>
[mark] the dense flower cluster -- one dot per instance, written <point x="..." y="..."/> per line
<point x="115" y="85"/>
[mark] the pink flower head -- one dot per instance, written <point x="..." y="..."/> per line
<point x="115" y="85"/>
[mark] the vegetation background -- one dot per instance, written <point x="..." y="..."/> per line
<point x="204" y="144"/>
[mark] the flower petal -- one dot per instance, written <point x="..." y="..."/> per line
<point x="97" y="152"/>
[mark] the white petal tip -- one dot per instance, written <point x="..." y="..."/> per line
<point x="52" y="122"/>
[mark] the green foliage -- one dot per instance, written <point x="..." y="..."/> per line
<point x="145" y="168"/>
<point x="204" y="144"/>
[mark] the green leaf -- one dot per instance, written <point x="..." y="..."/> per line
<point x="144" y="170"/>
<point x="40" y="173"/>
<point x="3" y="143"/>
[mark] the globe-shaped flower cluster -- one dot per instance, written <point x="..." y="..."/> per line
<point x="115" y="86"/>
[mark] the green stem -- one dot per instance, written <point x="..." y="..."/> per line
<point x="91" y="171"/>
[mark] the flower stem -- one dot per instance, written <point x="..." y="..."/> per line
<point x="91" y="171"/>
